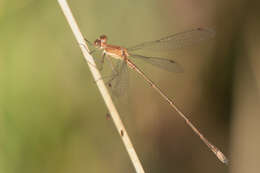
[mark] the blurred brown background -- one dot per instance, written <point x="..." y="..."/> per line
<point x="53" y="119"/>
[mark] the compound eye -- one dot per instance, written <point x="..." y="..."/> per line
<point x="97" y="42"/>
<point x="103" y="38"/>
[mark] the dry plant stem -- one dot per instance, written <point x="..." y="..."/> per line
<point x="102" y="88"/>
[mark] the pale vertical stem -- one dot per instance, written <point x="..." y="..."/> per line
<point x="102" y="88"/>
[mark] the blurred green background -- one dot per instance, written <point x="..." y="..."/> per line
<point x="53" y="119"/>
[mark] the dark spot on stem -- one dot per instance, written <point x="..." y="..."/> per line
<point x="122" y="133"/>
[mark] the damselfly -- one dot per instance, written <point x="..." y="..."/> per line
<point x="174" y="41"/>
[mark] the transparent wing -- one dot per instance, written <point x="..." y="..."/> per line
<point x="163" y="63"/>
<point x="178" y="40"/>
<point x="118" y="83"/>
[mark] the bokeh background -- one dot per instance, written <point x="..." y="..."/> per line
<point x="53" y="119"/>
